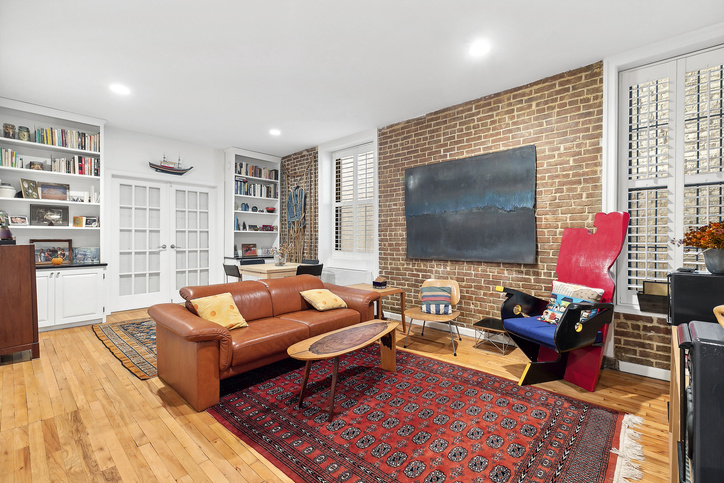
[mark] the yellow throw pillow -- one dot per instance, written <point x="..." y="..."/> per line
<point x="220" y="309"/>
<point x="322" y="299"/>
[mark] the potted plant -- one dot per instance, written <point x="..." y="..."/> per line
<point x="710" y="238"/>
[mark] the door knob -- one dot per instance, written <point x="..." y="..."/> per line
<point x="163" y="247"/>
<point x="174" y="246"/>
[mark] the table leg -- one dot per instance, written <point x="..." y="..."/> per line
<point x="402" y="309"/>
<point x="304" y="383"/>
<point x="334" y="386"/>
<point x="388" y="353"/>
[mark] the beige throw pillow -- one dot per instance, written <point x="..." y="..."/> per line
<point x="322" y="299"/>
<point x="220" y="309"/>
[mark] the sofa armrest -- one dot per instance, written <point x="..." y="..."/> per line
<point x="192" y="328"/>
<point x="360" y="300"/>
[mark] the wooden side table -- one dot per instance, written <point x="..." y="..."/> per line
<point x="384" y="292"/>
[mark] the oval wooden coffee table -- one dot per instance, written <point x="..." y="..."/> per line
<point x="343" y="341"/>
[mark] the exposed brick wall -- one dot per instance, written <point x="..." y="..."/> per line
<point x="301" y="168"/>
<point x="642" y="340"/>
<point x="563" y="117"/>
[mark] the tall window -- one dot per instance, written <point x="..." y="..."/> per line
<point x="354" y="180"/>
<point x="672" y="162"/>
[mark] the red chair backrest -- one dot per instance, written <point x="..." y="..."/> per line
<point x="585" y="258"/>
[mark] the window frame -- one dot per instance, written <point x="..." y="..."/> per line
<point x="700" y="40"/>
<point x="356" y="202"/>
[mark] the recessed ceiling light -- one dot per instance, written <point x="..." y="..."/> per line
<point x="275" y="132"/>
<point x="120" y="89"/>
<point x="479" y="48"/>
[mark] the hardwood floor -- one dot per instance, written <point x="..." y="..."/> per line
<point x="75" y="414"/>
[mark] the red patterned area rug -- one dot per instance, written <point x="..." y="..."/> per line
<point x="430" y="421"/>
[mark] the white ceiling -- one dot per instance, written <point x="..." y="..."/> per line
<point x="222" y="73"/>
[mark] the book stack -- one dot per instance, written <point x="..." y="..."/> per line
<point x="68" y="139"/>
<point x="10" y="159"/>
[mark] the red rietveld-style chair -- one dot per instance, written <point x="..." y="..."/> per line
<point x="564" y="336"/>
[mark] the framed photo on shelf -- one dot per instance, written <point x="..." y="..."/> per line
<point x="48" y="215"/>
<point x="78" y="196"/>
<point x="46" y="250"/>
<point x="18" y="220"/>
<point x="86" y="255"/>
<point x="29" y="188"/>
<point x="248" y="249"/>
<point x="91" y="221"/>
<point x="54" y="191"/>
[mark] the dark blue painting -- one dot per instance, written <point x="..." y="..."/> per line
<point x="479" y="208"/>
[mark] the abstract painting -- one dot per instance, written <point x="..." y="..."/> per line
<point x="474" y="209"/>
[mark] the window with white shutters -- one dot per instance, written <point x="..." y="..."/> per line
<point x="354" y="184"/>
<point x="672" y="163"/>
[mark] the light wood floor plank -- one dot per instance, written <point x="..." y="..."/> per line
<point x="82" y="416"/>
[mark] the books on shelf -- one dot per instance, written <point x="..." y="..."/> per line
<point x="68" y="138"/>
<point x="247" y="188"/>
<point x="10" y="159"/>
<point x="76" y="165"/>
<point x="247" y="169"/>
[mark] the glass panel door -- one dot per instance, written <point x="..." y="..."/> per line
<point x="140" y="244"/>
<point x="191" y="237"/>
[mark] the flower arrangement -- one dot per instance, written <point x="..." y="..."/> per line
<point x="281" y="252"/>
<point x="707" y="236"/>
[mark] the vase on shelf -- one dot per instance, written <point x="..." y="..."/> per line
<point x="714" y="260"/>
<point x="280" y="259"/>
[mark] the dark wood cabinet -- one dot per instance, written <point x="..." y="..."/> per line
<point x="18" y="300"/>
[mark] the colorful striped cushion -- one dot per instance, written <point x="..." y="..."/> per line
<point x="436" y="300"/>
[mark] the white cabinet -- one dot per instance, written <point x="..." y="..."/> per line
<point x="70" y="296"/>
<point x="252" y="202"/>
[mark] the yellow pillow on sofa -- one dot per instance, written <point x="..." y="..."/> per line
<point x="322" y="299"/>
<point x="220" y="309"/>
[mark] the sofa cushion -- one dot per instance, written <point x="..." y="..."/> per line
<point x="321" y="322"/>
<point x="219" y="309"/>
<point x="322" y="299"/>
<point x="251" y="297"/>
<point x="285" y="292"/>
<point x="265" y="337"/>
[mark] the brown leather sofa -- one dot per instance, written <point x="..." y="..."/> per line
<point x="193" y="354"/>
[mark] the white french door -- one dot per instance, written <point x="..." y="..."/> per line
<point x="162" y="241"/>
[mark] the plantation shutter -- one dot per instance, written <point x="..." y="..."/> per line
<point x="354" y="199"/>
<point x="671" y="163"/>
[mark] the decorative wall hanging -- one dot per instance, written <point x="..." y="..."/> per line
<point x="170" y="167"/>
<point x="476" y="209"/>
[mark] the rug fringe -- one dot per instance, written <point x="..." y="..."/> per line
<point x="629" y="449"/>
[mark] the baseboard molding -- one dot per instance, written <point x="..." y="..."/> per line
<point x="646" y="371"/>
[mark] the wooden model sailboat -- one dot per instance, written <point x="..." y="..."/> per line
<point x="169" y="167"/>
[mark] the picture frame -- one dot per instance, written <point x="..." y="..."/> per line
<point x="47" y="249"/>
<point x="78" y="196"/>
<point x="91" y="221"/>
<point x="19" y="220"/>
<point x="248" y="249"/>
<point x="79" y="221"/>
<point x="86" y="255"/>
<point x="29" y="188"/>
<point x="54" y="191"/>
<point x="49" y="215"/>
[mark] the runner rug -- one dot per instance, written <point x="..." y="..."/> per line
<point x="430" y="421"/>
<point x="133" y="343"/>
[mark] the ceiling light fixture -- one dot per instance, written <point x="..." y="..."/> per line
<point x="275" y="132"/>
<point x="120" y="89"/>
<point x="479" y="48"/>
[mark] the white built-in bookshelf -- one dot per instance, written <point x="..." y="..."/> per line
<point x="252" y="202"/>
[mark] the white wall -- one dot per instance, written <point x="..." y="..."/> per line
<point x="128" y="153"/>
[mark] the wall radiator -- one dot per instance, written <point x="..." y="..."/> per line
<point x="345" y="276"/>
